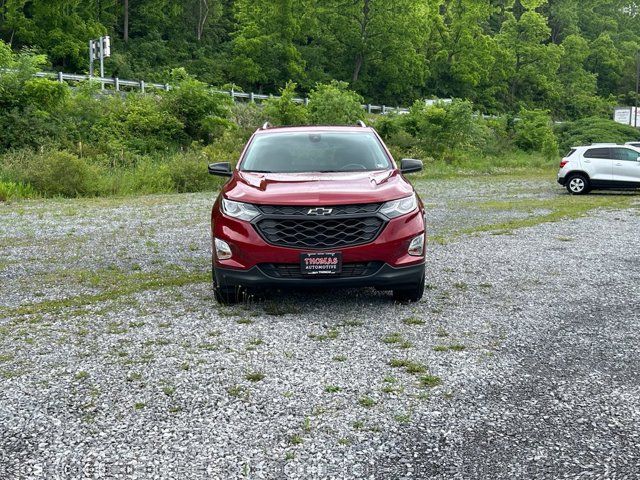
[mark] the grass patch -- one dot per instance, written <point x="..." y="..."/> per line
<point x="121" y="284"/>
<point x="430" y="381"/>
<point x="295" y="439"/>
<point x="331" y="334"/>
<point x="332" y="389"/>
<point x="366" y="402"/>
<point x="413" y="321"/>
<point x="456" y="347"/>
<point x="254" y="376"/>
<point x="408" y="365"/>
<point x="542" y="210"/>
<point x="340" y="358"/>
<point x="280" y="309"/>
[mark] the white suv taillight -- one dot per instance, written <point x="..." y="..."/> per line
<point x="563" y="162"/>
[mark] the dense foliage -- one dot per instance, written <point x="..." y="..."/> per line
<point x="574" y="58"/>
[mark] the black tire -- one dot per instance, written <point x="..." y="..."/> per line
<point x="578" y="184"/>
<point x="411" y="294"/>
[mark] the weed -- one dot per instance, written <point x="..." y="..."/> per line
<point x="340" y="358"/>
<point x="366" y="401"/>
<point x="254" y="376"/>
<point x="413" y="321"/>
<point x="81" y="375"/>
<point x="441" y="332"/>
<point x="139" y="405"/>
<point x="358" y="425"/>
<point x="353" y="323"/>
<point x="168" y="390"/>
<point x="295" y="439"/>
<point x="332" y="389"/>
<point x="238" y="391"/>
<point x="403" y="418"/>
<point x="430" y="381"/>
<point x="280" y="309"/>
<point x="392" y="338"/>
<point x="344" y="441"/>
<point x="331" y="334"/>
<point x="244" y="321"/>
<point x="134" y="377"/>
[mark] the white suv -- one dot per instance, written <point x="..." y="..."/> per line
<point x="601" y="165"/>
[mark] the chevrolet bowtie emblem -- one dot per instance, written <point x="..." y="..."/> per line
<point x="320" y="211"/>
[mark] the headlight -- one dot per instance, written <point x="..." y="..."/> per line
<point x="242" y="211"/>
<point x="395" y="208"/>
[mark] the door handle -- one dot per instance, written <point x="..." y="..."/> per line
<point x="587" y="161"/>
<point x="619" y="164"/>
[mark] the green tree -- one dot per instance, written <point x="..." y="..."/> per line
<point x="284" y="110"/>
<point x="335" y="104"/>
<point x="534" y="132"/>
<point x="531" y="61"/>
<point x="264" y="50"/>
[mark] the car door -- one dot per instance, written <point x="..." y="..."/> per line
<point x="626" y="167"/>
<point x="598" y="164"/>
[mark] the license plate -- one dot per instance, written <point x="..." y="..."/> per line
<point x="320" y="263"/>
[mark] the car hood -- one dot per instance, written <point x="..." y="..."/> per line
<point x="317" y="188"/>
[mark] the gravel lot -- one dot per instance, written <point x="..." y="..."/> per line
<point x="521" y="361"/>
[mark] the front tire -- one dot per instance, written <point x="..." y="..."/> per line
<point x="411" y="294"/>
<point x="578" y="184"/>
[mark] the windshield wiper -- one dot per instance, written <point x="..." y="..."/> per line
<point x="257" y="171"/>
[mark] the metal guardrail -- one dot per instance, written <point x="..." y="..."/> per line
<point x="118" y="83"/>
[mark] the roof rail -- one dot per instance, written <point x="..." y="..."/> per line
<point x="266" y="126"/>
<point x="360" y="123"/>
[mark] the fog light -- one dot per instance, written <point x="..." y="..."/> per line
<point x="416" y="247"/>
<point x="223" y="250"/>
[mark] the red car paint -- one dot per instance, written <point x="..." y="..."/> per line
<point x="316" y="190"/>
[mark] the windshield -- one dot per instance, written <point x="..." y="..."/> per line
<point x="315" y="152"/>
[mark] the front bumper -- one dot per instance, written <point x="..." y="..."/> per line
<point x="385" y="278"/>
<point x="249" y="249"/>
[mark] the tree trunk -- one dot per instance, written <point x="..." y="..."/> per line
<point x="125" y="34"/>
<point x="364" y="23"/>
<point x="203" y="12"/>
<point x="357" y="67"/>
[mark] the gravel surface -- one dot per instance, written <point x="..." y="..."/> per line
<point x="521" y="360"/>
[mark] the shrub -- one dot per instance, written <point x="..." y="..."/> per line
<point x="15" y="191"/>
<point x="59" y="173"/>
<point x="198" y="107"/>
<point x="534" y="133"/>
<point x="189" y="173"/>
<point x="593" y="130"/>
<point x="334" y="104"/>
<point x="284" y="110"/>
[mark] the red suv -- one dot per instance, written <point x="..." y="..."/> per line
<point x="317" y="207"/>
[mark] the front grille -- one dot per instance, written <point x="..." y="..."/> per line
<point x="292" y="270"/>
<point x="320" y="232"/>
<point x="336" y="210"/>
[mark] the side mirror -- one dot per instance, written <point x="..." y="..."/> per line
<point x="410" y="165"/>
<point x="222" y="169"/>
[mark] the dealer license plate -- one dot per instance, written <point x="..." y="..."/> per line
<point x="320" y="263"/>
